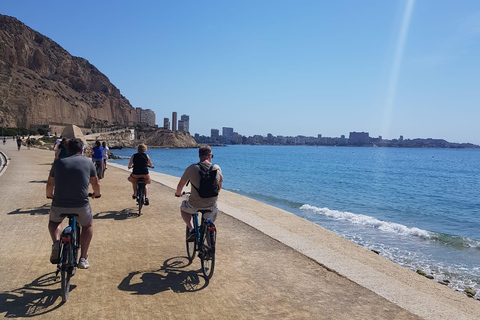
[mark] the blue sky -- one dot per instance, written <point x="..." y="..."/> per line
<point x="301" y="67"/>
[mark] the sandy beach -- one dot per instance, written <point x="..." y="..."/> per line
<point x="270" y="264"/>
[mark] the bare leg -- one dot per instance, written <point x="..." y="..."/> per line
<point x="55" y="229"/>
<point x="187" y="217"/>
<point x="85" y="238"/>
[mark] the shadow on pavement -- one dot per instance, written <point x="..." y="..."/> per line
<point x="115" y="215"/>
<point x="169" y="277"/>
<point x="45" y="209"/>
<point x="33" y="299"/>
<point x="38" y="181"/>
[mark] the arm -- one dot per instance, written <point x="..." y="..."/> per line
<point x="57" y="153"/>
<point x="130" y="163"/>
<point x="149" y="162"/>
<point x="49" y="188"/>
<point x="180" y="186"/>
<point x="96" y="186"/>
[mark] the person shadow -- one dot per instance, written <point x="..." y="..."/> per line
<point x="43" y="210"/>
<point x="170" y="276"/>
<point x="115" y="215"/>
<point x="32" y="299"/>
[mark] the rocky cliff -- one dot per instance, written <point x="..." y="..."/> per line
<point x="41" y="83"/>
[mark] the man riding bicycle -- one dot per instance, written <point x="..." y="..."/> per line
<point x="98" y="155"/>
<point x="70" y="177"/>
<point x="195" y="201"/>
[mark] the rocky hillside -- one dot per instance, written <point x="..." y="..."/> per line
<point x="152" y="138"/>
<point x="41" y="83"/>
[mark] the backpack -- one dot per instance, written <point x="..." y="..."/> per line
<point x="208" y="182"/>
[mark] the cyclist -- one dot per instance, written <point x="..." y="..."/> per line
<point x="106" y="153"/>
<point x="62" y="149"/>
<point x="195" y="202"/>
<point x="98" y="154"/>
<point x="140" y="162"/>
<point x="70" y="178"/>
<point x="19" y="142"/>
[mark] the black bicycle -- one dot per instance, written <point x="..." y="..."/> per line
<point x="140" y="194"/>
<point x="100" y="169"/>
<point x="68" y="253"/>
<point x="204" y="243"/>
<point x="69" y="245"/>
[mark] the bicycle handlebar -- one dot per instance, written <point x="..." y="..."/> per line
<point x="91" y="194"/>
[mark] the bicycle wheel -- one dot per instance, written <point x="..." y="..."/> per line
<point x="77" y="244"/>
<point x="66" y="272"/>
<point x="208" y="251"/>
<point x="141" y="200"/>
<point x="191" y="245"/>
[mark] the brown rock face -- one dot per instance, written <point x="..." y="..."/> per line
<point x="41" y="83"/>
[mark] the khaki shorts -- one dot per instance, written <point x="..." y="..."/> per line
<point x="187" y="207"/>
<point x="84" y="218"/>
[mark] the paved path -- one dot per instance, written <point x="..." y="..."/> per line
<point x="139" y="269"/>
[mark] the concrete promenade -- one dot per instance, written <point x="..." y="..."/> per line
<point x="270" y="263"/>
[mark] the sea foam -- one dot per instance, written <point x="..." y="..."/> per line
<point x="368" y="221"/>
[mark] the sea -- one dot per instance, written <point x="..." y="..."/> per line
<point x="420" y="208"/>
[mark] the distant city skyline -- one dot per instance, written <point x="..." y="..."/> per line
<point x="229" y="135"/>
<point x="391" y="68"/>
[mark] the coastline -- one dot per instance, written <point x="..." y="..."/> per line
<point x="402" y="286"/>
<point x="138" y="264"/>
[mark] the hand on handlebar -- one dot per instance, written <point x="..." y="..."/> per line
<point x="91" y="195"/>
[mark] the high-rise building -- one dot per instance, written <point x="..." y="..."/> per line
<point x="181" y="125"/>
<point x="174" y="121"/>
<point x="214" y="135"/>
<point x="145" y="116"/>
<point x="166" y="123"/>
<point x="186" y="123"/>
<point x="227" y="134"/>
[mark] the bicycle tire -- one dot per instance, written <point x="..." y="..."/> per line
<point x="77" y="244"/>
<point x="140" y="198"/>
<point x="191" y="245"/>
<point x="66" y="272"/>
<point x="208" y="252"/>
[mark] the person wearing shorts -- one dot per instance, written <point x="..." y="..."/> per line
<point x="68" y="184"/>
<point x="140" y="162"/>
<point x="97" y="155"/>
<point x="195" y="202"/>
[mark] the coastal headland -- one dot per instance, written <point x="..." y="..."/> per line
<point x="271" y="264"/>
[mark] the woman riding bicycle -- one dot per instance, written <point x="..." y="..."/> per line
<point x="140" y="162"/>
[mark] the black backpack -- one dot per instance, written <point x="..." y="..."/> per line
<point x="208" y="182"/>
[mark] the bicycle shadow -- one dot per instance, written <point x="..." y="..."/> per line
<point x="170" y="276"/>
<point x="45" y="209"/>
<point x="32" y="299"/>
<point x="115" y="215"/>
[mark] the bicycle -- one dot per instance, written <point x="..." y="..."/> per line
<point x="204" y="242"/>
<point x="140" y="194"/>
<point x="99" y="170"/>
<point x="68" y="253"/>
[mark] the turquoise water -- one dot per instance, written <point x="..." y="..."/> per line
<point x="418" y="207"/>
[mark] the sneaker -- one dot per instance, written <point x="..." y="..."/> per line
<point x="55" y="255"/>
<point x="134" y="197"/>
<point x="191" y="236"/>
<point x="147" y="202"/>
<point x="83" y="264"/>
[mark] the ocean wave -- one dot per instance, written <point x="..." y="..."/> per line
<point x="368" y="221"/>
